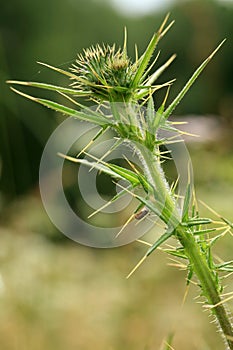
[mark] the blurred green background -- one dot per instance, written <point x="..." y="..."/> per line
<point x="55" y="294"/>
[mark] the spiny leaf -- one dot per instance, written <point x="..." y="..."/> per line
<point x="134" y="176"/>
<point x="226" y="269"/>
<point x="144" y="89"/>
<point x="97" y="166"/>
<point x="145" y="184"/>
<point x="64" y="72"/>
<point x="49" y="87"/>
<point x="187" y="200"/>
<point x="161" y="240"/>
<point x="127" y="174"/>
<point x="151" y="206"/>
<point x="145" y="58"/>
<point x="214" y="240"/>
<point x="109" y="169"/>
<point x="159" y="71"/>
<point x="203" y="232"/>
<point x="148" y="70"/>
<point x="190" y="82"/>
<point x="226" y="266"/>
<point x="179" y="253"/>
<point x="197" y="222"/>
<point x="158" y="118"/>
<point x="150" y="112"/>
<point x="92" y="118"/>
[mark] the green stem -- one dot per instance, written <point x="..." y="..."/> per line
<point x="193" y="251"/>
<point x="155" y="175"/>
<point x="207" y="282"/>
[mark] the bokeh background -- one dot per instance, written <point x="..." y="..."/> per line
<point x="55" y="294"/>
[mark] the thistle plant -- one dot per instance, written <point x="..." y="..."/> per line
<point x="120" y="88"/>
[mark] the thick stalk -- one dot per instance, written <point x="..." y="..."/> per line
<point x="207" y="282"/>
<point x="155" y="175"/>
<point x="191" y="247"/>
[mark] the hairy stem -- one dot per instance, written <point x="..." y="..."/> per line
<point x="192" y="249"/>
<point x="207" y="282"/>
<point x="156" y="177"/>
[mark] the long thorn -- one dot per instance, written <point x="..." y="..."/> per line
<point x="137" y="266"/>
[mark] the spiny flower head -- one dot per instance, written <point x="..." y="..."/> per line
<point x="104" y="72"/>
<point x="107" y="73"/>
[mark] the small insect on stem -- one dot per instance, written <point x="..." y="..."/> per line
<point x="141" y="214"/>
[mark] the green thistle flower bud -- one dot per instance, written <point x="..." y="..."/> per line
<point x="108" y="74"/>
<point x="105" y="73"/>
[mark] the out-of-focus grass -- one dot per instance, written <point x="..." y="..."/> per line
<point x="65" y="296"/>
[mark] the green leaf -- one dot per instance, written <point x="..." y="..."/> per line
<point x="125" y="173"/>
<point x="100" y="120"/>
<point x="89" y="117"/>
<point x="226" y="269"/>
<point x="145" y="184"/>
<point x="147" y="90"/>
<point x="135" y="178"/>
<point x="197" y="222"/>
<point x="150" y="113"/>
<point x="150" y="206"/>
<point x="203" y="232"/>
<point x="187" y="200"/>
<point x="64" y="72"/>
<point x="226" y="266"/>
<point x="146" y="57"/>
<point x="158" y="117"/>
<point x="179" y="253"/>
<point x="98" y="166"/>
<point x="49" y="87"/>
<point x="161" y="240"/>
<point x="159" y="71"/>
<point x="144" y="61"/>
<point x="113" y="170"/>
<point x="190" y="82"/>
